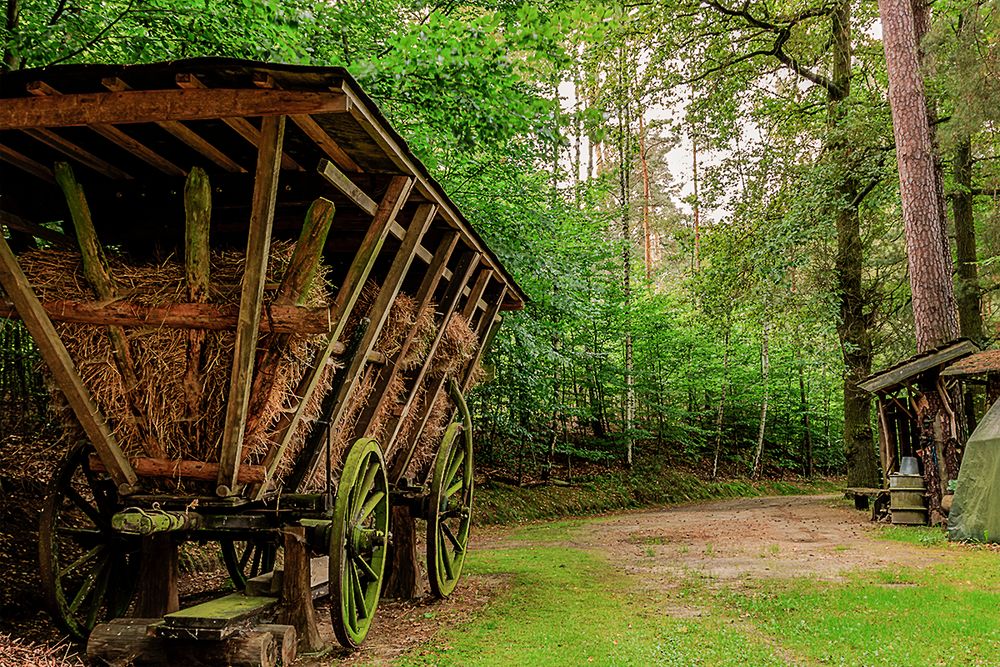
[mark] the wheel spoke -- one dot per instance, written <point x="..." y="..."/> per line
<point x="371" y="504"/>
<point x="245" y="557"/>
<point x="85" y="558"/>
<point x="257" y="555"/>
<point x="86" y="587"/>
<point x="79" y="534"/>
<point x="454" y="488"/>
<point x="446" y="558"/>
<point x="99" y="594"/>
<point x="348" y="592"/>
<point x="366" y="485"/>
<point x="359" y="596"/>
<point x="363" y="565"/>
<point x="92" y="513"/>
<point x="453" y="468"/>
<point x="451" y="538"/>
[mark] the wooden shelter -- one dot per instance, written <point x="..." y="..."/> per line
<point x="280" y="152"/>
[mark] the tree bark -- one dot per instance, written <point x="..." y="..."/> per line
<point x="934" y="308"/>
<point x="10" y="60"/>
<point x="968" y="293"/>
<point x="404" y="581"/>
<point x="765" y="364"/>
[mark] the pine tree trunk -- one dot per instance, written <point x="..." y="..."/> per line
<point x="934" y="308"/>
<point x="968" y="294"/>
<point x="765" y="364"/>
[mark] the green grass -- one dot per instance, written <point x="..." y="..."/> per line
<point x="567" y="607"/>
<point x="927" y="536"/>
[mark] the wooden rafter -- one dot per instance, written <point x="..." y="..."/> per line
<point x="81" y="155"/>
<point x="242" y="126"/>
<point x="19" y="224"/>
<point x="251" y="301"/>
<point x="183" y="133"/>
<point x="150" y="106"/>
<point x="115" y="136"/>
<point x="25" y="163"/>
<point x="57" y="358"/>
<point x="487" y="329"/>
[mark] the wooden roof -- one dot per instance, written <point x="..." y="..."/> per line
<point x="904" y="371"/>
<point x="133" y="131"/>
<point x="987" y="361"/>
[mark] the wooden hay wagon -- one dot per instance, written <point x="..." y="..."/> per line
<point x="255" y="351"/>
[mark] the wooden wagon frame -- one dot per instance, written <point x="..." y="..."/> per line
<point x="132" y="134"/>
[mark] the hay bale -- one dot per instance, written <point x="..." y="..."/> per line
<point x="160" y="354"/>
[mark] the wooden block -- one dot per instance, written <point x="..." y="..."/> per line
<point x="227" y="611"/>
<point x="286" y="638"/>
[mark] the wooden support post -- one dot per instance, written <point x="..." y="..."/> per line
<point x="251" y="301"/>
<point x="466" y="268"/>
<point x="95" y="270"/>
<point x="293" y="290"/>
<point x="157" y="594"/>
<point x="127" y="642"/>
<point x="487" y="329"/>
<point x="296" y="594"/>
<point x="57" y="358"/>
<point x="343" y="304"/>
<point x="197" y="262"/>
<point x="404" y="569"/>
<point x="378" y="314"/>
<point x="425" y="294"/>
<point x="286" y="639"/>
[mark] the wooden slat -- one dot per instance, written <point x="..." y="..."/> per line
<point x="57" y="358"/>
<point x="19" y="224"/>
<point x="463" y="273"/>
<point x="182" y="469"/>
<point x="251" y="301"/>
<point x="346" y="298"/>
<point x="185" y="134"/>
<point x="242" y="126"/>
<point x="312" y="130"/>
<point x="425" y="293"/>
<point x="116" y="136"/>
<point x="378" y="314"/>
<point x="476" y="293"/>
<point x="81" y="155"/>
<point x="206" y="316"/>
<point x="25" y="163"/>
<point x="339" y="180"/>
<point x="150" y="106"/>
<point x="486" y="330"/>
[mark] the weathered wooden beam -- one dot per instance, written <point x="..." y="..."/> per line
<point x="183" y="133"/>
<point x="242" y="126"/>
<point x="19" y="224"/>
<point x="95" y="270"/>
<point x="344" y="302"/>
<point x="487" y="329"/>
<point x="251" y="301"/>
<point x="293" y="290"/>
<point x="326" y="143"/>
<point x="197" y="272"/>
<point x="424" y="294"/>
<point x="378" y="314"/>
<point x="150" y="106"/>
<point x="25" y="163"/>
<point x="116" y="136"/>
<point x="81" y="155"/>
<point x="463" y="273"/>
<point x="184" y="469"/>
<point x="296" y="591"/>
<point x="476" y="293"/>
<point x="127" y="642"/>
<point x="207" y="316"/>
<point x="57" y="358"/>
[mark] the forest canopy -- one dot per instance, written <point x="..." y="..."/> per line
<point x="700" y="198"/>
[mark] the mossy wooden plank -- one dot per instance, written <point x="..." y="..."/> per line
<point x="220" y="612"/>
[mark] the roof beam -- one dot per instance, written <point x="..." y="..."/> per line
<point x="150" y="106"/>
<point x="81" y="155"/>
<point x="183" y="133"/>
<point x="25" y="163"/>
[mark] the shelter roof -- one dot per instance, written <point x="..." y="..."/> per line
<point x="135" y="130"/>
<point x="899" y="374"/>
<point x="987" y="361"/>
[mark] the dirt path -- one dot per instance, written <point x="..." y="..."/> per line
<point x="750" y="538"/>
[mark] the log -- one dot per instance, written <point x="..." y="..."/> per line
<point x="157" y="593"/>
<point x="173" y="469"/>
<point x="127" y="642"/>
<point x="210" y="317"/>
<point x="197" y="263"/>
<point x="95" y="270"/>
<point x="296" y="594"/>
<point x="286" y="639"/>
<point x="404" y="574"/>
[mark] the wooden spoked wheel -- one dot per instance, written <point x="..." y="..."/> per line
<point x="358" y="542"/>
<point x="88" y="570"/>
<point x="247" y="559"/>
<point x="449" y="516"/>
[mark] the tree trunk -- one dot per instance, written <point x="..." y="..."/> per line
<point x="934" y="308"/>
<point x="765" y="365"/>
<point x="722" y="404"/>
<point x="10" y="60"/>
<point x="854" y="325"/>
<point x="807" y="444"/>
<point x="404" y="580"/>
<point x="968" y="294"/>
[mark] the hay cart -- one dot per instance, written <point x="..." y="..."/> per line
<point x="268" y="411"/>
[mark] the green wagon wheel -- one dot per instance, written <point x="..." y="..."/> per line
<point x="88" y="570"/>
<point x="358" y="542"/>
<point x="246" y="559"/>
<point x="449" y="518"/>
